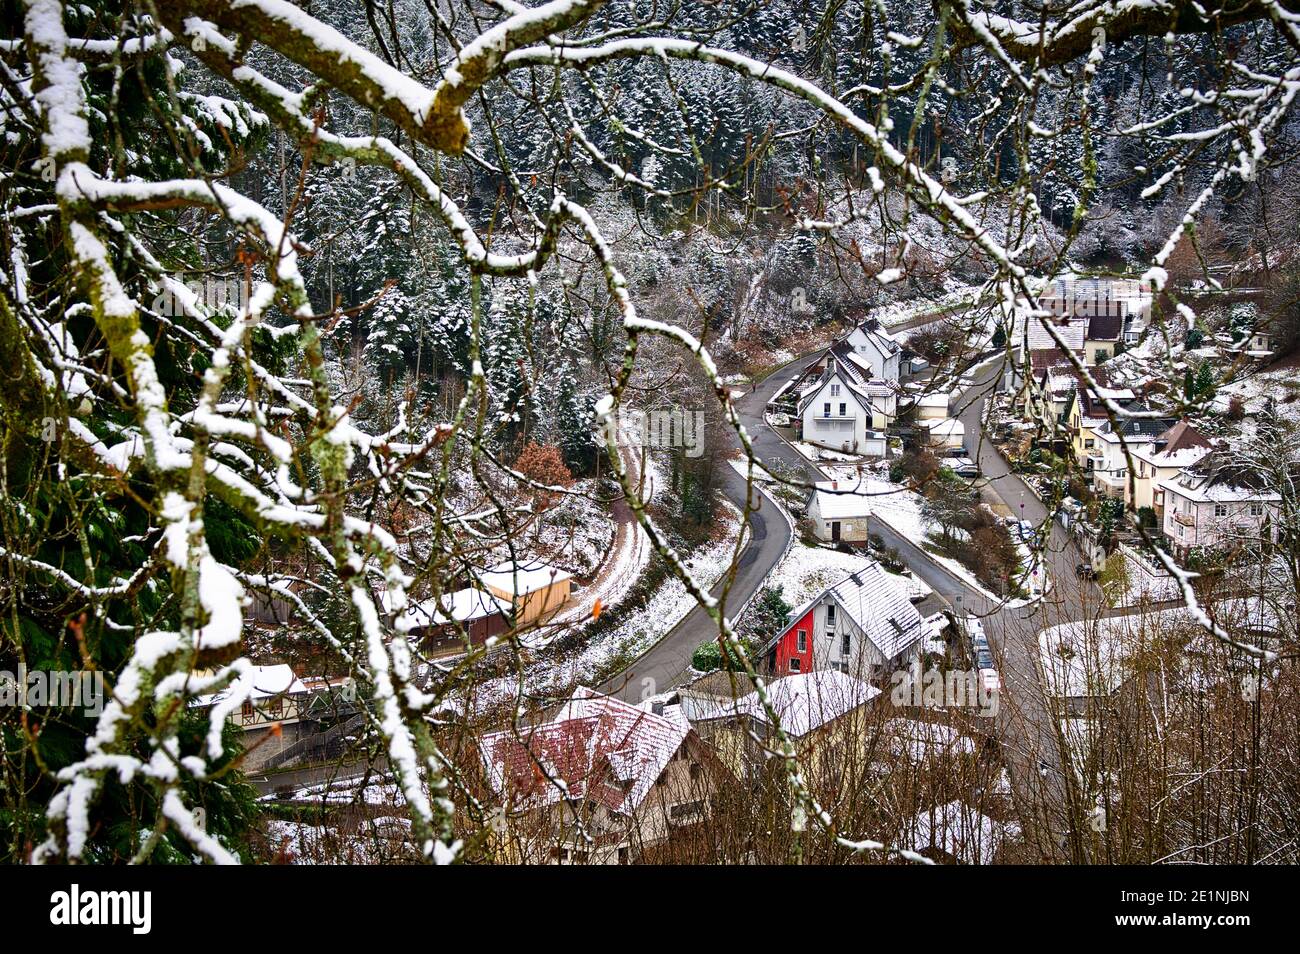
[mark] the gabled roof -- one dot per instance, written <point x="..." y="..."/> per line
<point x="1215" y="481"/>
<point x="1180" y="446"/>
<point x="803" y="702"/>
<point x="1143" y="430"/>
<point x="462" y="606"/>
<point x="259" y="682"/>
<point x="879" y="604"/>
<point x="522" y="578"/>
<point x="842" y="362"/>
<point x="879" y="338"/>
<point x="600" y="748"/>
<point x="1105" y="327"/>
<point x="844" y="499"/>
<point x="1069" y="330"/>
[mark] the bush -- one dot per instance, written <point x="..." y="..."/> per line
<point x="708" y="657"/>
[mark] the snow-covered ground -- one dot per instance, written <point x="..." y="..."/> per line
<point x="900" y="508"/>
<point x="664" y="610"/>
<point x="807" y="571"/>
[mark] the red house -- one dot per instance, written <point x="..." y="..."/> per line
<point x="793" y="650"/>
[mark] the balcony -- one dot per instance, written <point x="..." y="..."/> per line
<point x="1186" y="519"/>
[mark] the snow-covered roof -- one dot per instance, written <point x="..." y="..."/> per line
<point x="878" y="602"/>
<point x="522" y="578"/>
<point x="462" y="606"/>
<point x="600" y="748"/>
<point x="841" y="499"/>
<point x="1208" y="488"/>
<point x="1180" y="446"/>
<point x="260" y="682"/>
<point x="946" y="427"/>
<point x="803" y="702"/>
<point x="960" y="832"/>
<point x="880" y="606"/>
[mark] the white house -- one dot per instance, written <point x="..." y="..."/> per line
<point x="843" y="408"/>
<point x="1210" y="508"/>
<point x="875" y="346"/>
<point x="1107" y="461"/>
<point x="864" y="624"/>
<point x="1172" y="452"/>
<point x="840" y="510"/>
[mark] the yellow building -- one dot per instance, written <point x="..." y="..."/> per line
<point x="535" y="590"/>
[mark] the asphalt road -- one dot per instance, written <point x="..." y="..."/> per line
<point x="767" y="534"/>
<point x="1024" y="726"/>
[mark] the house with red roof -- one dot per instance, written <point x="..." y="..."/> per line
<point x="599" y="782"/>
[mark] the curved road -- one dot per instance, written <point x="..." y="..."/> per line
<point x="767" y="536"/>
<point x="1025" y="726"/>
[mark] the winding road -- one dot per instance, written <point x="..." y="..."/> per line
<point x="1025" y="727"/>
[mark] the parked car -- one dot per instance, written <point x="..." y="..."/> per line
<point x="1086" y="571"/>
<point x="962" y="466"/>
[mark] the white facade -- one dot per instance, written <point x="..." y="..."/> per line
<point x="879" y="349"/>
<point x="839" y="417"/>
<point x="1201" y="514"/>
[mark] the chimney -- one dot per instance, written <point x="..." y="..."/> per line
<point x="835" y="485"/>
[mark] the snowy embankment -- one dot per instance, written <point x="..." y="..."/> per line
<point x="663" y="610"/>
<point x="900" y="509"/>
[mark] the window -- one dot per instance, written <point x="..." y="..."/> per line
<point x="826" y="409"/>
<point x="846" y="644"/>
<point x="1257" y="510"/>
<point x="802" y="641"/>
<point x="1220" y="510"/>
<point x="844" y="409"/>
<point x="1103" y="354"/>
<point x="835" y="390"/>
<point x="830" y="616"/>
<point x="794" y="663"/>
<point x="1088" y="442"/>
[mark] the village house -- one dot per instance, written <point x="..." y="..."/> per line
<point x="1085" y="412"/>
<point x="534" y="590"/>
<point x="456" y="621"/>
<point x="1128" y="299"/>
<point x="1107" y="462"/>
<point x="1173" y="451"/>
<point x="840" y="511"/>
<point x="864" y="625"/>
<point x="600" y="782"/>
<point x="270" y="714"/>
<point x="825" y="713"/>
<point x="927" y="405"/>
<point x="1092" y="318"/>
<point x="1101" y="341"/>
<point x="943" y="436"/>
<point x="842" y="407"/>
<point x="875" y="346"/>
<point x="1213" y="506"/>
